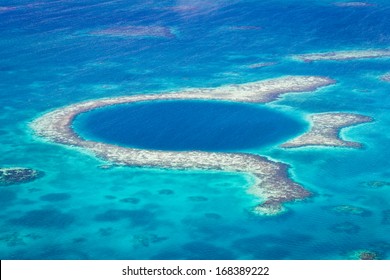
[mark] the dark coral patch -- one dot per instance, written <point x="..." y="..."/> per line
<point x="12" y="239"/>
<point x="56" y="253"/>
<point x="169" y="255"/>
<point x="55" y="197"/>
<point x="6" y="197"/>
<point x="271" y="247"/>
<point x="106" y="231"/>
<point x="146" y="239"/>
<point x="132" y="200"/>
<point x="136" y="217"/>
<point x="46" y="218"/>
<point x="376" y="184"/>
<point x="213" y="216"/>
<point x="113" y="215"/>
<point x="346" y="227"/>
<point x="79" y="240"/>
<point x="364" y="255"/>
<point x="197" y="198"/>
<point x="386" y="217"/>
<point x="18" y="175"/>
<point x="166" y="192"/>
<point x="351" y="210"/>
<point x="205" y="251"/>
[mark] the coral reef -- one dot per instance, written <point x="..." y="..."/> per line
<point x="18" y="175"/>
<point x="343" y="55"/>
<point x="364" y="255"/>
<point x="386" y="77"/>
<point x="325" y="129"/>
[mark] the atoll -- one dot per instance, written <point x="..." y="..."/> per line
<point x="343" y="55"/>
<point x="18" y="175"/>
<point x="325" y="129"/>
<point x="273" y="184"/>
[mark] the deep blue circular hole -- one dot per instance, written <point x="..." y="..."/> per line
<point x="188" y="125"/>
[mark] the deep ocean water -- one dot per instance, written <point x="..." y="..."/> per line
<point x="188" y="125"/>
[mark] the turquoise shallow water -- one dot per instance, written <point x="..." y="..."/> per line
<point x="79" y="210"/>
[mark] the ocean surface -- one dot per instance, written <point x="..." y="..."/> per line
<point x="56" y="53"/>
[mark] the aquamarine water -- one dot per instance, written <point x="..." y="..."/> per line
<point x="188" y="125"/>
<point x="79" y="210"/>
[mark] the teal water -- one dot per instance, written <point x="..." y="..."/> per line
<point x="79" y="210"/>
<point x="188" y="125"/>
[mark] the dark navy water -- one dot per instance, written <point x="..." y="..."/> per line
<point x="54" y="53"/>
<point x="188" y="125"/>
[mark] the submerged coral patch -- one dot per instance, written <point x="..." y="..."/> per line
<point x="351" y="210"/>
<point x="18" y="175"/>
<point x="55" y="197"/>
<point x="344" y="55"/>
<point x="363" y="255"/>
<point x="44" y="218"/>
<point x="386" y="77"/>
<point x="376" y="184"/>
<point x="345" y="227"/>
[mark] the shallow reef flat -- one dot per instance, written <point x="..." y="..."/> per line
<point x="273" y="184"/>
<point x="262" y="91"/>
<point x="325" y="129"/>
<point x="343" y="55"/>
